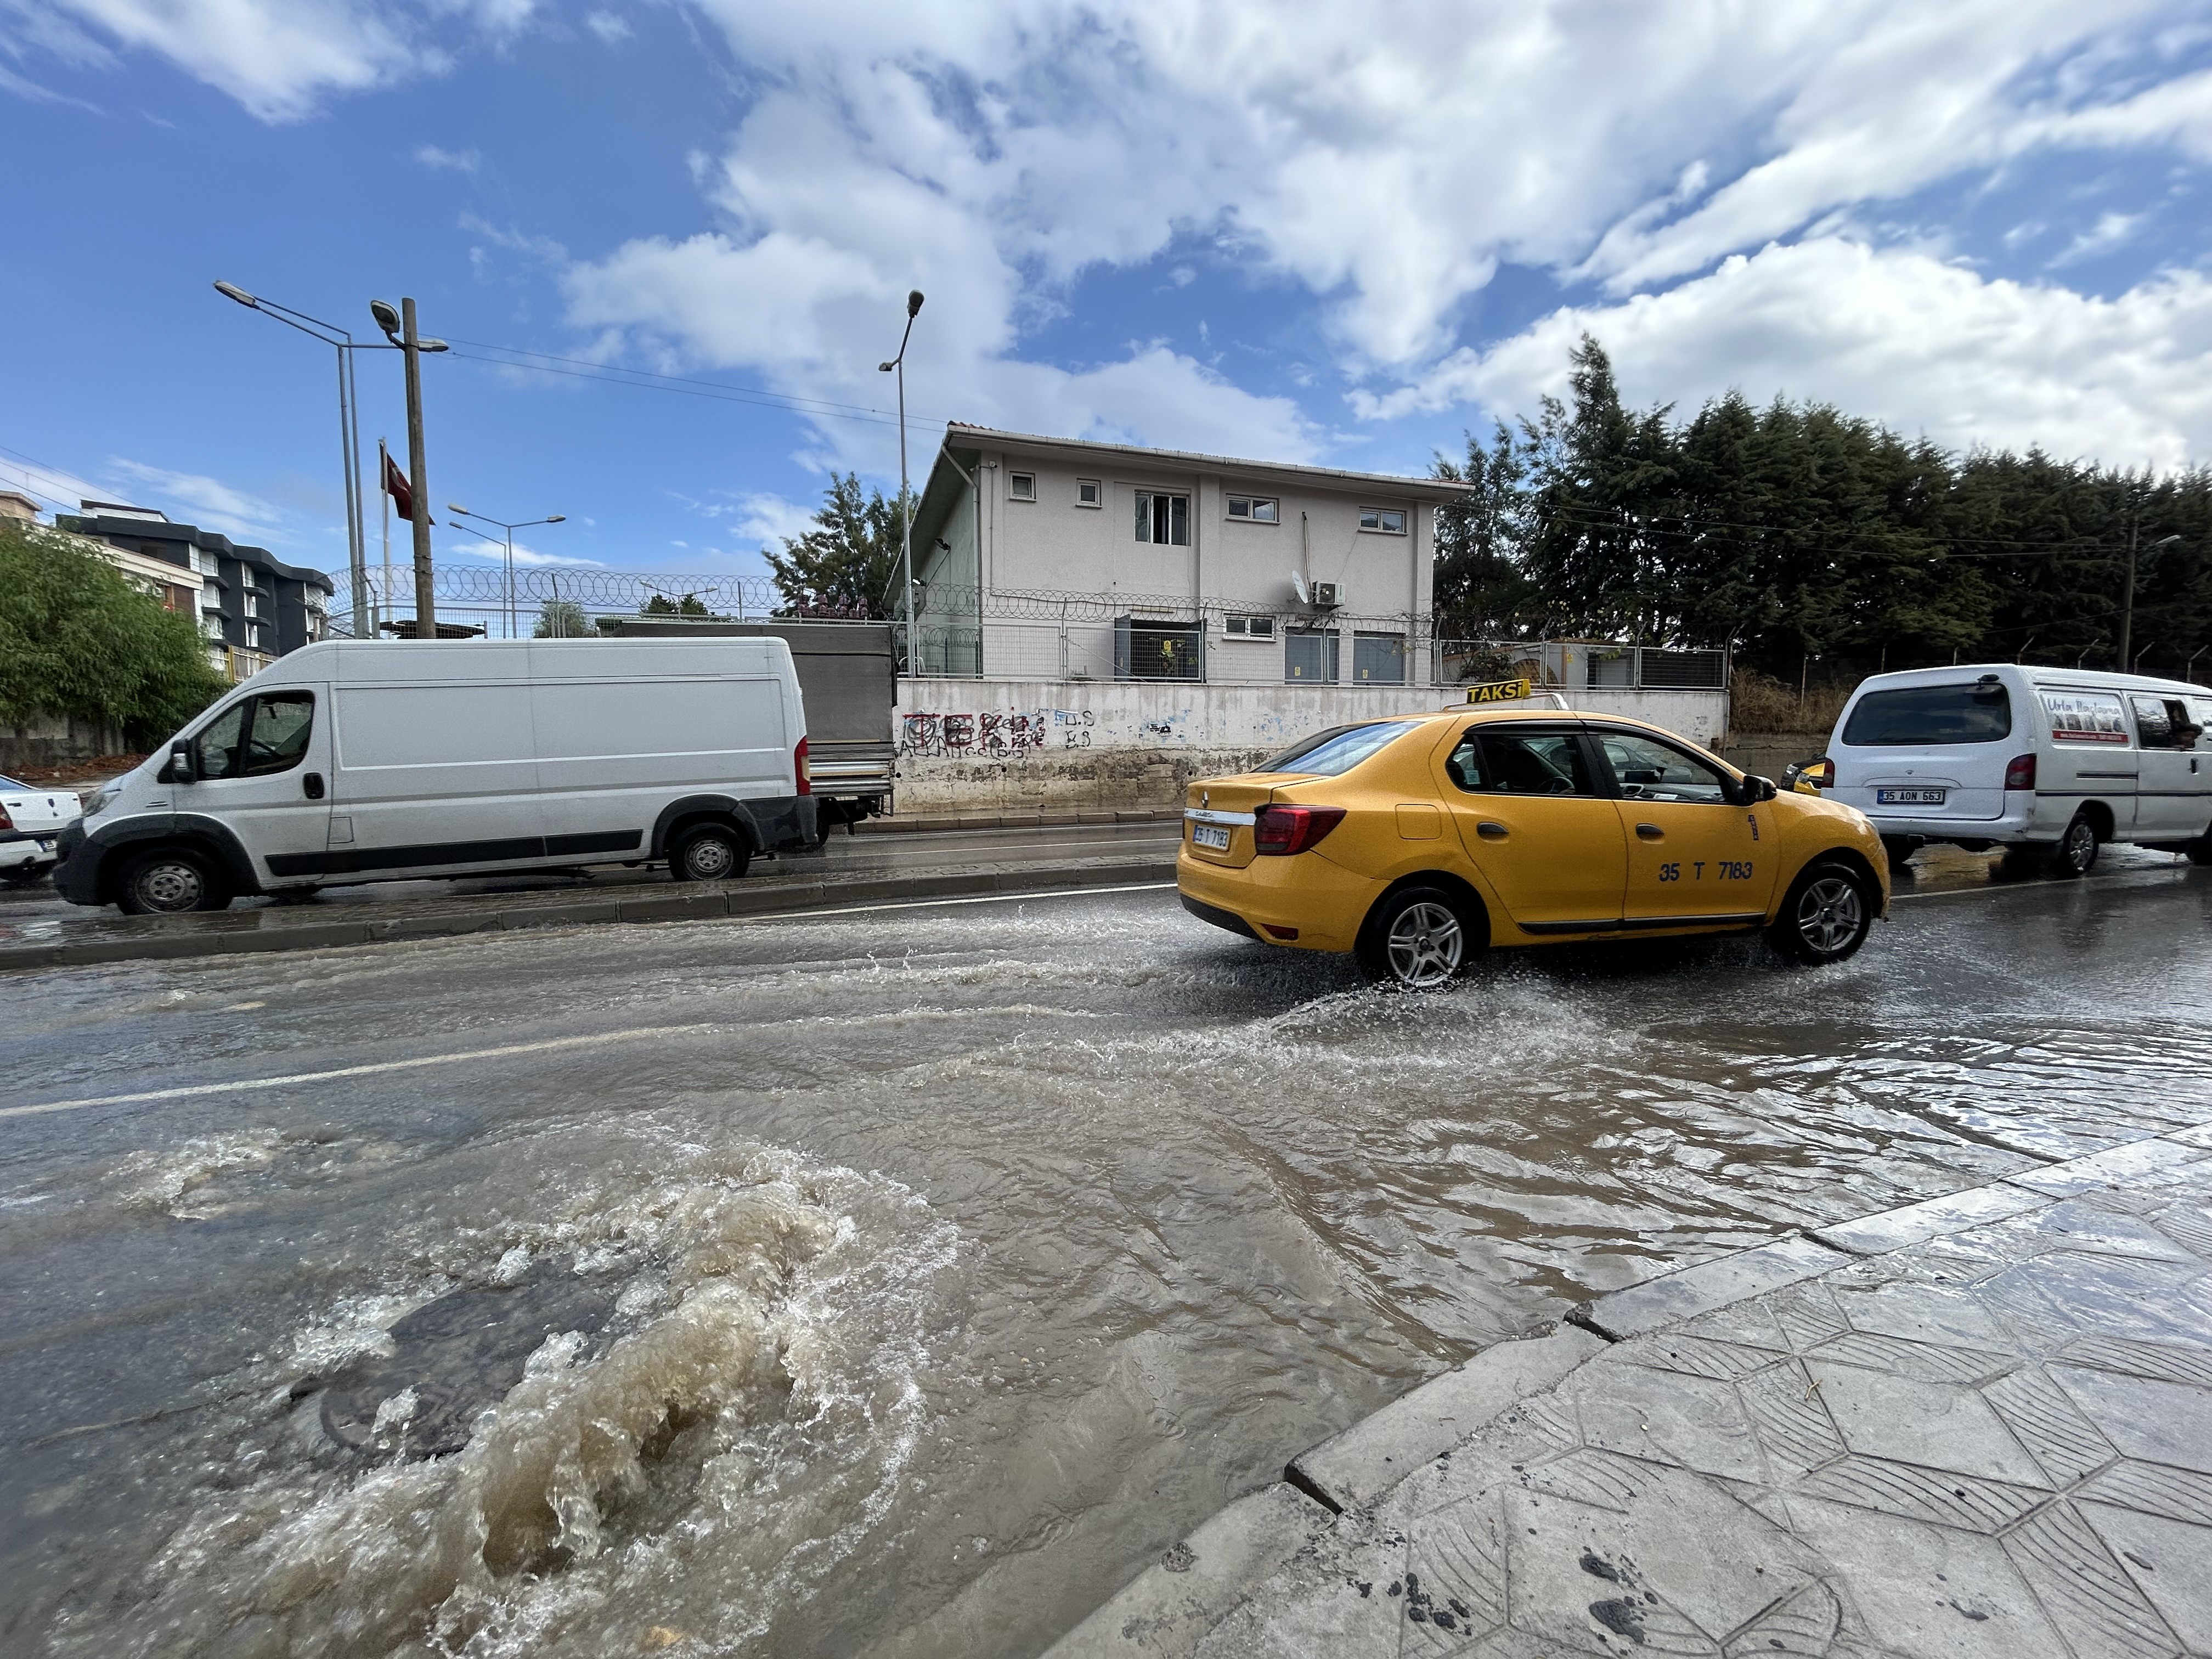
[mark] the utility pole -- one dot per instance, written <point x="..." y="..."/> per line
<point x="418" y="477"/>
<point x="400" y="328"/>
<point x="2128" y="598"/>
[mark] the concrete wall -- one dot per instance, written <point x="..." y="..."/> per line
<point x="1010" y="746"/>
<point x="55" y="740"/>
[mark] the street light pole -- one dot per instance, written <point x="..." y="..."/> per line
<point x="509" y="530"/>
<point x="349" y="433"/>
<point x="2128" y="598"/>
<point x="906" y="502"/>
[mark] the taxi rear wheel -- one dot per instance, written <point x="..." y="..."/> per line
<point x="1826" y="916"/>
<point x="1417" y="938"/>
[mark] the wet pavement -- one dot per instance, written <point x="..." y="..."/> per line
<point x="919" y="1274"/>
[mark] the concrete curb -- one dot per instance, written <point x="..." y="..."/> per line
<point x="1040" y="820"/>
<point x="1169" y="1607"/>
<point x="702" y="902"/>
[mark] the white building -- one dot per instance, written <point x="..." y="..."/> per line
<point x="1053" y="558"/>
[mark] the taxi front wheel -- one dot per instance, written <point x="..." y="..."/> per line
<point x="1415" y="939"/>
<point x="1826" y="916"/>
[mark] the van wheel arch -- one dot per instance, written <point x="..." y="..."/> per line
<point x="221" y="854"/>
<point x="685" y="830"/>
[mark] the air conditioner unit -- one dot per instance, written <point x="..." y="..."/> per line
<point x="1325" y="596"/>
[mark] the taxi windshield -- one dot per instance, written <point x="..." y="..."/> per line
<point x="1337" y="749"/>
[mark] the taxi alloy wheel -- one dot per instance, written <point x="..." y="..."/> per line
<point x="1826" y="916"/>
<point x="1418" y="941"/>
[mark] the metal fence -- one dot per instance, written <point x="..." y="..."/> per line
<point x="963" y="632"/>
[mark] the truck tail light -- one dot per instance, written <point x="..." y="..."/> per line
<point x="800" y="770"/>
<point x="2019" y="772"/>
<point x="1281" y="831"/>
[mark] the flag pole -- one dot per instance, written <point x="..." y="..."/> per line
<point x="384" y="494"/>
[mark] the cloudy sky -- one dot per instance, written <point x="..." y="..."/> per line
<point x="1333" y="233"/>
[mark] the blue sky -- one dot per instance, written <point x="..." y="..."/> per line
<point x="1337" y="234"/>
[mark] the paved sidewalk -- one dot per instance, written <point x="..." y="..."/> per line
<point x="1980" y="1426"/>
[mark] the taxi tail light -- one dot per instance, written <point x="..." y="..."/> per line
<point x="2019" y="772"/>
<point x="1282" y="831"/>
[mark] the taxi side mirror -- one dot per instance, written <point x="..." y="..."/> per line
<point x="1757" y="789"/>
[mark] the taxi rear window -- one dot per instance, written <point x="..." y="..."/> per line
<point x="1930" y="714"/>
<point x="1337" y="749"/>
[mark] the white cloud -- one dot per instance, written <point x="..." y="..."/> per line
<point x="608" y="27"/>
<point x="280" y="58"/>
<point x="1902" y="337"/>
<point x="763" y="520"/>
<point x="2111" y="232"/>
<point x="208" y="502"/>
<point x="451" y="161"/>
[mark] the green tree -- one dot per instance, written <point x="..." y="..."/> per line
<point x="77" y="638"/>
<point x="841" y="567"/>
<point x="1481" y="590"/>
<point x="562" y="619"/>
<point x="690" y="604"/>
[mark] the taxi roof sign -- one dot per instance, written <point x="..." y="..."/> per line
<point x="1499" y="691"/>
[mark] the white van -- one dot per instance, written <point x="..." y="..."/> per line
<point x="2049" y="761"/>
<point x="371" y="760"/>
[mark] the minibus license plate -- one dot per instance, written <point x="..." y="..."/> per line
<point x="1908" y="798"/>
<point x="1215" y="836"/>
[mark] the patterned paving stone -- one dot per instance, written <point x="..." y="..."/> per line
<point x="2167" y="1559"/>
<point x="1993" y="1443"/>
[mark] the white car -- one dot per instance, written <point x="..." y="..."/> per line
<point x="2048" y="763"/>
<point x="30" y="821"/>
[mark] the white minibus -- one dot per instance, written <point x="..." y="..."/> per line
<point x="2049" y="763"/>
<point x="374" y="760"/>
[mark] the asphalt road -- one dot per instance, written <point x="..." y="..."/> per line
<point x="912" y="1275"/>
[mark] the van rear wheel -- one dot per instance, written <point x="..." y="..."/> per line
<point x="709" y="852"/>
<point x="2075" y="855"/>
<point x="169" y="882"/>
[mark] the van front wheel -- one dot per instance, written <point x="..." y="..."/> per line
<point x="711" y="852"/>
<point x="169" y="882"/>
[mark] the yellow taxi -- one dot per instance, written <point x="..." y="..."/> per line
<point x="1418" y="840"/>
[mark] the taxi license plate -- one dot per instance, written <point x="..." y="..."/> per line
<point x="1215" y="836"/>
<point x="1908" y="797"/>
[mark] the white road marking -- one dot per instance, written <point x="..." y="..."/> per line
<point x="594" y="1040"/>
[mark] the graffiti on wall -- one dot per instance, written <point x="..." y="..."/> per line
<point x="995" y="733"/>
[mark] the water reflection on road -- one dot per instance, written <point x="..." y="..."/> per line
<point x="943" y="1264"/>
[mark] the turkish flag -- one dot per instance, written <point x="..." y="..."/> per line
<point x="397" y="487"/>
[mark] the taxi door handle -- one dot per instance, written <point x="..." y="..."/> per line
<point x="1650" y="832"/>
<point x="1490" y="831"/>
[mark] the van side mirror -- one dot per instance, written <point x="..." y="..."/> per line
<point x="184" y="764"/>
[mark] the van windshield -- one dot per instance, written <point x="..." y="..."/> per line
<point x="1330" y="753"/>
<point x="1929" y="715"/>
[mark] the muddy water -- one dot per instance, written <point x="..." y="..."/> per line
<point x="920" y="1273"/>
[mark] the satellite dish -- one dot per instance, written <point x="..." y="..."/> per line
<point x="1298" y="587"/>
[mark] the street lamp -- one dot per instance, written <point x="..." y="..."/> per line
<point x="2128" y="604"/>
<point x="398" y="327"/>
<point x="897" y="365"/>
<point x="348" y="432"/>
<point x="523" y="524"/>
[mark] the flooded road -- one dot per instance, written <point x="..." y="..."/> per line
<point x="898" y="1282"/>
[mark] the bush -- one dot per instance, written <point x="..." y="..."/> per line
<point x="77" y="638"/>
<point x="1759" y="702"/>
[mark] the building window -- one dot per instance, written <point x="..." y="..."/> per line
<point x="1089" y="494"/>
<point x="1259" y="509"/>
<point x="1147" y="649"/>
<point x="1248" y="628"/>
<point x="1164" y="519"/>
<point x="1310" y="658"/>
<point x="1379" y="658"/>
<point x="1383" y="521"/>
<point x="1022" y="486"/>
